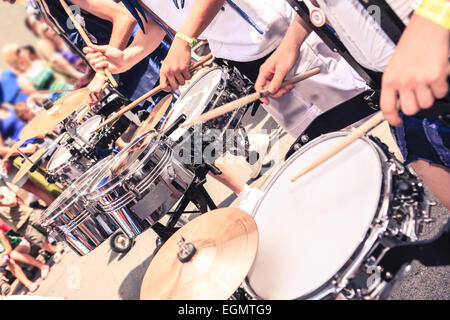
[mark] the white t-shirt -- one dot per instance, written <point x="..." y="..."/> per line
<point x="359" y="31"/>
<point x="230" y="36"/>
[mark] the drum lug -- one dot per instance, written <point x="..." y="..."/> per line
<point x="426" y="214"/>
<point x="132" y="189"/>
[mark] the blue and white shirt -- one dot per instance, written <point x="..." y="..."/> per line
<point x="244" y="30"/>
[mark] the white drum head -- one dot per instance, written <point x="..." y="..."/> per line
<point x="85" y="130"/>
<point x="61" y="156"/>
<point x="195" y="99"/>
<point x="309" y="229"/>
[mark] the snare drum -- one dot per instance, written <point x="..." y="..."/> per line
<point x="324" y="234"/>
<point x="65" y="165"/>
<point x="77" y="154"/>
<point x="212" y="89"/>
<point x="72" y="219"/>
<point x="141" y="184"/>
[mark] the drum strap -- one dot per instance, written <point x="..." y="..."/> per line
<point x="350" y="112"/>
<point x="388" y="20"/>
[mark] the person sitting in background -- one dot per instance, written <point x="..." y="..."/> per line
<point x="53" y="49"/>
<point x="9" y="88"/>
<point x="25" y="221"/>
<point x="10" y="128"/>
<point x="32" y="76"/>
<point x="15" y="250"/>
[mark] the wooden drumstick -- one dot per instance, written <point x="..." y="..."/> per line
<point x="155" y="117"/>
<point x="148" y="95"/>
<point x="14" y="148"/>
<point x="369" y="125"/>
<point x="86" y="38"/>
<point x="359" y="132"/>
<point x="247" y="99"/>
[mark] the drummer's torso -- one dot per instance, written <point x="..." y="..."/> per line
<point x="98" y="30"/>
<point x="230" y="34"/>
<point x="361" y="33"/>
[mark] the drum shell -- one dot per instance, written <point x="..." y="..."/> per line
<point x="71" y="218"/>
<point x="230" y="86"/>
<point x="71" y="169"/>
<point x="85" y="233"/>
<point x="369" y="244"/>
<point x="136" y="202"/>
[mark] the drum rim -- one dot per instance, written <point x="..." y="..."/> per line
<point x="53" y="158"/>
<point x="380" y="217"/>
<point x="66" y="201"/>
<point x="84" y="124"/>
<point x="93" y="190"/>
<point x="189" y="88"/>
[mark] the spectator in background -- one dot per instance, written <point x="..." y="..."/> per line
<point x="15" y="250"/>
<point x="32" y="76"/>
<point x="10" y="128"/>
<point x="9" y="88"/>
<point x="53" y="49"/>
<point x="25" y="221"/>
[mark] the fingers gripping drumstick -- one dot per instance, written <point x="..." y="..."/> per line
<point x="85" y="38"/>
<point x="369" y="125"/>
<point x="247" y="99"/>
<point x="149" y="94"/>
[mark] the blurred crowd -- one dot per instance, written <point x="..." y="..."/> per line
<point x="37" y="76"/>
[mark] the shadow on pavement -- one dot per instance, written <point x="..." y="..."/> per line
<point x="131" y="287"/>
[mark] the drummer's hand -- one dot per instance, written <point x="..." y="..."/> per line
<point x="175" y="67"/>
<point x="417" y="71"/>
<point x="273" y="72"/>
<point x="107" y="57"/>
<point x="96" y="90"/>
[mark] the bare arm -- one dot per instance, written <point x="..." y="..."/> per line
<point x="5" y="243"/>
<point x="175" y="68"/>
<point x="417" y="71"/>
<point x="120" y="61"/>
<point x="123" y="22"/>
<point x="274" y="70"/>
<point x="7" y="197"/>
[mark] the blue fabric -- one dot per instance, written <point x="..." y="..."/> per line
<point x="423" y="139"/>
<point x="135" y="82"/>
<point x="9" y="88"/>
<point x="11" y="127"/>
<point x="144" y="76"/>
<point x="105" y="152"/>
<point x="103" y="28"/>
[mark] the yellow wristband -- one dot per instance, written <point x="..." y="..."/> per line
<point x="437" y="11"/>
<point x="100" y="75"/>
<point x="190" y="41"/>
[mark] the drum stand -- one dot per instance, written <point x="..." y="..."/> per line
<point x="431" y="253"/>
<point x="195" y="194"/>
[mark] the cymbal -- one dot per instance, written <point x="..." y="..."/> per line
<point x="225" y="242"/>
<point x="46" y="120"/>
<point x="27" y="165"/>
